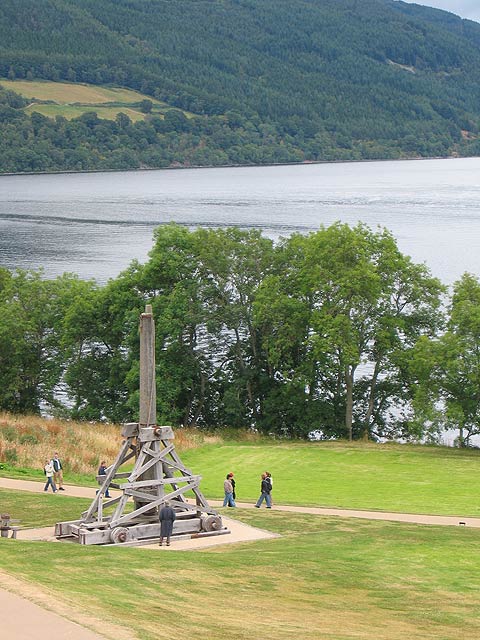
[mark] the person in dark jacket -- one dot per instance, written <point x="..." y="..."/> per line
<point x="102" y="471"/>
<point x="268" y="478"/>
<point x="265" y="489"/>
<point x="57" y="472"/>
<point x="232" y="482"/>
<point x="167" y="517"/>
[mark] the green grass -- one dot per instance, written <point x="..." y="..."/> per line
<point x="41" y="510"/>
<point x="325" y="578"/>
<point x="402" y="478"/>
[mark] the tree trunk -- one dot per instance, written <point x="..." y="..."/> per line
<point x="371" y="398"/>
<point x="349" y="374"/>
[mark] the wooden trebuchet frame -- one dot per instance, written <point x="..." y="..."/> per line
<point x="158" y="476"/>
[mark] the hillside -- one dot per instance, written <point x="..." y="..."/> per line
<point x="276" y="81"/>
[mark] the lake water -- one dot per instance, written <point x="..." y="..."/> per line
<point x="95" y="224"/>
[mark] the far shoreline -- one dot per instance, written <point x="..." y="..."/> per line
<point x="231" y="166"/>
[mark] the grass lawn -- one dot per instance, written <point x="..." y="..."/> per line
<point x="328" y="578"/>
<point x="72" y="99"/>
<point x="402" y="478"/>
<point x="40" y="510"/>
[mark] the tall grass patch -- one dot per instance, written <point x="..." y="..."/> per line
<point x="27" y="441"/>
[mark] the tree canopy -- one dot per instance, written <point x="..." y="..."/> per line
<point x="336" y="332"/>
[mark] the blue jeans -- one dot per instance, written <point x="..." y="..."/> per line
<point x="266" y="497"/>
<point x="229" y="499"/>
<point x="50" y="483"/>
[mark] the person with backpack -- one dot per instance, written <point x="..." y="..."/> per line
<point x="265" y="489"/>
<point x="49" y="471"/>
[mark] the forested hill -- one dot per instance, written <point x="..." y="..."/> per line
<point x="266" y="80"/>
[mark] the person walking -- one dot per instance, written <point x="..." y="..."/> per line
<point x="48" y="470"/>
<point x="265" y="489"/>
<point x="57" y="471"/>
<point x="269" y="479"/>
<point x="167" y="518"/>
<point x="232" y="482"/>
<point x="102" y="471"/>
<point x="228" y="489"/>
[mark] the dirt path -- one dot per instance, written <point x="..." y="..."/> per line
<point x="28" y="613"/>
<point x="36" y="622"/>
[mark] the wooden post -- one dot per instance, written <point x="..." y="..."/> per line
<point x="148" y="393"/>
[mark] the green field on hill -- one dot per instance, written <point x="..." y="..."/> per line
<point x="329" y="578"/>
<point x="70" y="92"/>
<point x="70" y="99"/>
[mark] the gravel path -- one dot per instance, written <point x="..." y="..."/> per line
<point x="89" y="492"/>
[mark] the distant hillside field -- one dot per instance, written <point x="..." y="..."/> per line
<point x="71" y="100"/>
<point x="69" y="92"/>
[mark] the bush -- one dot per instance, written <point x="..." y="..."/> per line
<point x="9" y="433"/>
<point x="11" y="455"/>
<point x="28" y="438"/>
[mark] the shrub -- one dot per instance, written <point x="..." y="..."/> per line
<point x="11" y="455"/>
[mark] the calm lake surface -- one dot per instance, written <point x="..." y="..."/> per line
<point x="95" y="224"/>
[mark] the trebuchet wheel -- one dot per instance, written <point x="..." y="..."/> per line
<point x="211" y="523"/>
<point x="120" y="534"/>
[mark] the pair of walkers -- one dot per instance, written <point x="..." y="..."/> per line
<point x="53" y="471"/>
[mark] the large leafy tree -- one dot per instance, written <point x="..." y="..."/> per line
<point x="345" y="308"/>
<point x="100" y="331"/>
<point x="447" y="368"/>
<point x="31" y="332"/>
<point x="202" y="285"/>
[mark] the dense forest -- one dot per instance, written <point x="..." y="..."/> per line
<point x="335" y="332"/>
<point x="270" y="81"/>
